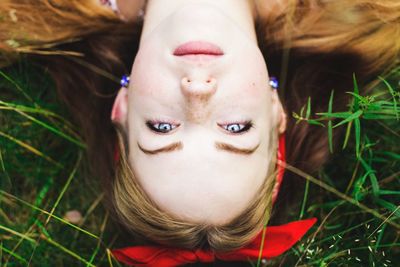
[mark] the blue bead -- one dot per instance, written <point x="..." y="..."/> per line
<point x="125" y="81"/>
<point x="273" y="81"/>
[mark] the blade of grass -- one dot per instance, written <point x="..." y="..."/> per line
<point x="8" y="182"/>
<point x="16" y="86"/>
<point x="339" y="194"/>
<point x="64" y="189"/>
<point x="109" y="255"/>
<point x="43" y="192"/>
<point x="388" y="192"/>
<point x="335" y="115"/>
<point x="330" y="131"/>
<point x="371" y="173"/>
<point x="357" y="131"/>
<point x="356" y="105"/>
<point x="42" y="228"/>
<point x="88" y="212"/>
<point x="343" y="232"/>
<point x="349" y="119"/>
<point x="303" y="205"/>
<point x="259" y="259"/>
<point x="13" y="254"/>
<point x="358" y="193"/>
<point x="30" y="50"/>
<point x="11" y="231"/>
<point x="393" y="155"/>
<point x="3" y="168"/>
<point x="5" y="217"/>
<point x="380" y="236"/>
<point x="49" y="214"/>
<point x="264" y="231"/>
<point x="41" y="111"/>
<point x="387" y="205"/>
<point x="52" y="129"/>
<point x="102" y="229"/>
<point x="390" y="88"/>
<point x="353" y="177"/>
<point x="314" y="122"/>
<point x="312" y="238"/>
<point x="347" y="135"/>
<point x="388" y="129"/>
<point x="20" y="241"/>
<point x="69" y="252"/>
<point x="71" y="176"/>
<point x="308" y="112"/>
<point x="95" y="69"/>
<point x="31" y="149"/>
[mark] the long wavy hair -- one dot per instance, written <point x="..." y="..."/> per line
<point x="313" y="46"/>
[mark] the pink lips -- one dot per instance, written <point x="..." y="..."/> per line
<point x="198" y="48"/>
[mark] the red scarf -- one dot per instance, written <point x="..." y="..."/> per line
<point x="277" y="240"/>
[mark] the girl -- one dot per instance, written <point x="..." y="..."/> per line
<point x="198" y="123"/>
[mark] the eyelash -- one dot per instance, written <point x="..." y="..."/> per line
<point x="247" y="126"/>
<point x="150" y="124"/>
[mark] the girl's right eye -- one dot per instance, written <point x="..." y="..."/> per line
<point x="161" y="127"/>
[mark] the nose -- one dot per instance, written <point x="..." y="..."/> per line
<point x="201" y="87"/>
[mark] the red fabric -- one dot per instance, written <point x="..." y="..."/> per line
<point x="278" y="239"/>
<point x="280" y="167"/>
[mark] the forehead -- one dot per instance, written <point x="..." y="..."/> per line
<point x="199" y="182"/>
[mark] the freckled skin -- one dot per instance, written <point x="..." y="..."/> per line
<point x="196" y="108"/>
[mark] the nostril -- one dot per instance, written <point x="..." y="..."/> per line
<point x="208" y="81"/>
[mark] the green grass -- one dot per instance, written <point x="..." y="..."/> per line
<point x="356" y="196"/>
<point x="42" y="176"/>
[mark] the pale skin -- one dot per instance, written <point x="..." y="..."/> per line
<point x="199" y="130"/>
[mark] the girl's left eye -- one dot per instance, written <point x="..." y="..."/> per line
<point x="161" y="127"/>
<point x="236" y="128"/>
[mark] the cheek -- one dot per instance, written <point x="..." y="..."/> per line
<point x="153" y="82"/>
<point x="253" y="78"/>
<point x="144" y="78"/>
<point x="148" y="73"/>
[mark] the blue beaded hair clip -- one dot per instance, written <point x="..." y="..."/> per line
<point x="125" y="81"/>
<point x="273" y="81"/>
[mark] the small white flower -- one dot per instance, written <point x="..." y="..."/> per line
<point x="73" y="216"/>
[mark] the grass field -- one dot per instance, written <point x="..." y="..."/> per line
<point x="43" y="175"/>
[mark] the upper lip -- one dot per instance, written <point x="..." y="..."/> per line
<point x="198" y="48"/>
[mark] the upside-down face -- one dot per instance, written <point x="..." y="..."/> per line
<point x="200" y="117"/>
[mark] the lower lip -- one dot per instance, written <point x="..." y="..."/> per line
<point x="198" y="48"/>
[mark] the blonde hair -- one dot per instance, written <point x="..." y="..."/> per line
<point x="35" y="27"/>
<point x="322" y="43"/>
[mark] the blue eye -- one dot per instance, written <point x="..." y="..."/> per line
<point x="161" y="127"/>
<point x="237" y="127"/>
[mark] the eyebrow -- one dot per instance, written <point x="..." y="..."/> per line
<point x="235" y="150"/>
<point x="218" y="145"/>
<point x="168" y="148"/>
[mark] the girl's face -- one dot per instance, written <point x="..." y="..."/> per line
<point x="199" y="127"/>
